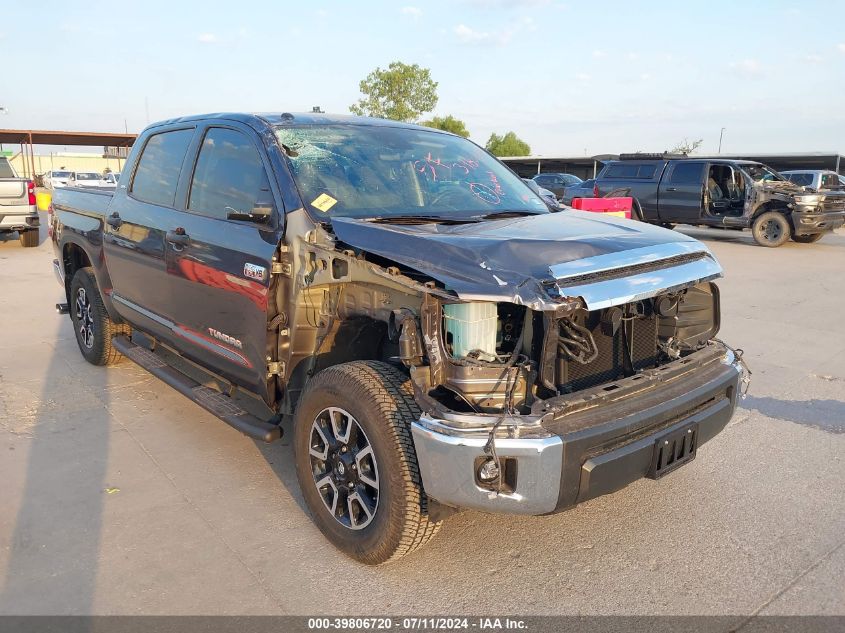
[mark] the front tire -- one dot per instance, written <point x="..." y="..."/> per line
<point x="356" y="463"/>
<point x="29" y="238"/>
<point x="92" y="325"/>
<point x="771" y="229"/>
<point x="808" y="239"/>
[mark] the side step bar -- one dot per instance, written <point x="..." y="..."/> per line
<point x="209" y="399"/>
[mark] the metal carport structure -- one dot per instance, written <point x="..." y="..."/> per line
<point x="28" y="138"/>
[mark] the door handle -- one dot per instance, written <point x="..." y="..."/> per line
<point x="177" y="236"/>
<point x="671" y="188"/>
<point x="114" y="220"/>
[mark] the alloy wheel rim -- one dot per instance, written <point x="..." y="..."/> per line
<point x="344" y="468"/>
<point x="772" y="231"/>
<point x="84" y="320"/>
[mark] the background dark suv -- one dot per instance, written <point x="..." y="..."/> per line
<point x="556" y="183"/>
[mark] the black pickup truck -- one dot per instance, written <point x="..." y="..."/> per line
<point x="408" y="308"/>
<point x="734" y="194"/>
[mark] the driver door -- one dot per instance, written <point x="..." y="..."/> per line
<point x="219" y="256"/>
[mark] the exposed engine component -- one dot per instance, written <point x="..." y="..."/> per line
<point x="576" y="342"/>
<point x="470" y="330"/>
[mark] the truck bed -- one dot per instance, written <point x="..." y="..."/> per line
<point x="86" y="201"/>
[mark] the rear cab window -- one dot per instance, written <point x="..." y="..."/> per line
<point x="801" y="179"/>
<point x="159" y="167"/>
<point x="6" y="170"/>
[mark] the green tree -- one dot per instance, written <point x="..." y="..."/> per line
<point x="448" y="123"/>
<point x="686" y="146"/>
<point x="402" y="92"/>
<point x="508" y="145"/>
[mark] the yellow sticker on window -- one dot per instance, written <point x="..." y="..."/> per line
<point x="323" y="202"/>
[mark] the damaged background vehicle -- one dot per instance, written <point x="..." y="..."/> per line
<point x="731" y="194"/>
<point x="436" y="338"/>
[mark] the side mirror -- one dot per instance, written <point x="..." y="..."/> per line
<point x="261" y="212"/>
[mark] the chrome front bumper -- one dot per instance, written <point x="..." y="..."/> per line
<point x="583" y="455"/>
<point x="447" y="466"/>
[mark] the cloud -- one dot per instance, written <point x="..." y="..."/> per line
<point x="599" y="54"/>
<point x="813" y="59"/>
<point x="841" y="47"/>
<point x="207" y="38"/>
<point x="414" y="12"/>
<point x="470" y="36"/>
<point x="747" y="67"/>
<point x="582" y="77"/>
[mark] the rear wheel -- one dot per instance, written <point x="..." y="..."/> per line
<point x="29" y="238"/>
<point x="636" y="211"/>
<point x="808" y="239"/>
<point x="771" y="229"/>
<point x="92" y="325"/>
<point x="356" y="463"/>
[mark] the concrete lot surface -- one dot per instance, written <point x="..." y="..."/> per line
<point x="119" y="496"/>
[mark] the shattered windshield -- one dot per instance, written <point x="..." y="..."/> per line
<point x="375" y="171"/>
<point x="762" y="173"/>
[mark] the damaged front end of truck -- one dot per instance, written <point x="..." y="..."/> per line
<point x="553" y="357"/>
<point x="538" y="391"/>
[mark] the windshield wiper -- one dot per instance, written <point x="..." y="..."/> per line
<point x="499" y="215"/>
<point x="420" y="219"/>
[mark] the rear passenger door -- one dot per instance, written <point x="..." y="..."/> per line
<point x="219" y="261"/>
<point x="681" y="192"/>
<point x="134" y="234"/>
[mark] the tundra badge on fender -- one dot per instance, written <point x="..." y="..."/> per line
<point x="253" y="271"/>
<point x="220" y="336"/>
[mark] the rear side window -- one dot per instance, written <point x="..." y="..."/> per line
<point x="830" y="180"/>
<point x="629" y="170"/>
<point x="159" y="166"/>
<point x="687" y="174"/>
<point x="229" y="176"/>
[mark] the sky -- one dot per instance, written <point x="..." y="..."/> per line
<point x="570" y="78"/>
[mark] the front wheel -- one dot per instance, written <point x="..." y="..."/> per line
<point x="92" y="325"/>
<point x="808" y="239"/>
<point x="771" y="229"/>
<point x="356" y="463"/>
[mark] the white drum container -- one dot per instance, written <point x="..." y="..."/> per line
<point x="472" y="326"/>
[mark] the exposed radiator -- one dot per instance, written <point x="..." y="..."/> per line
<point x="610" y="363"/>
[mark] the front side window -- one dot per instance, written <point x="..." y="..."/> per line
<point x="376" y="171"/>
<point x="229" y="177"/>
<point x="159" y="167"/>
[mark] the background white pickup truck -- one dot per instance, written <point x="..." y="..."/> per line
<point x="17" y="205"/>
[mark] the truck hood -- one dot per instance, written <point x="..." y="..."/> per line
<point x="534" y="260"/>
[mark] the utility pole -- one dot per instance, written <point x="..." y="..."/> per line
<point x="721" y="132"/>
